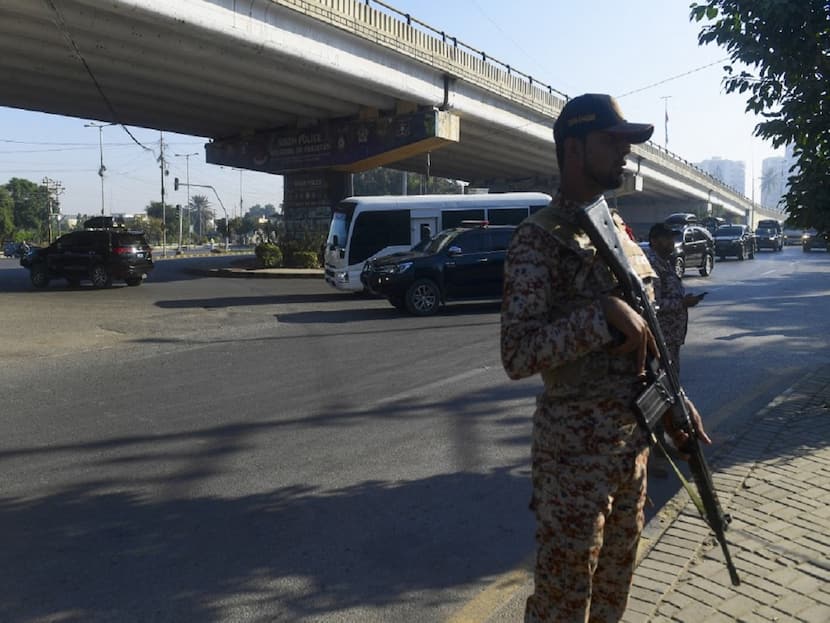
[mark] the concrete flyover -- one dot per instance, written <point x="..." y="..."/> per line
<point x="228" y="71"/>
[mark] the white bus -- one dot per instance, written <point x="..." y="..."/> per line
<point x="364" y="228"/>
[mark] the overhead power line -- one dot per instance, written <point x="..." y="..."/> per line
<point x="685" y="73"/>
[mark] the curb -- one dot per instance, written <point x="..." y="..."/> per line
<point x="267" y="273"/>
<point x="258" y="273"/>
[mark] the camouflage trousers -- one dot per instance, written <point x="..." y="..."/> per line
<point x="589" y="486"/>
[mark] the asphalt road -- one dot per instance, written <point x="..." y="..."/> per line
<point x="206" y="449"/>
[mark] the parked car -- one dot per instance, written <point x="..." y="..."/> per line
<point x="812" y="239"/>
<point x="769" y="235"/>
<point x="737" y="240"/>
<point x="694" y="247"/>
<point x="461" y="263"/>
<point x="98" y="255"/>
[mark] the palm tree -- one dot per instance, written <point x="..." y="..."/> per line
<point x="201" y="212"/>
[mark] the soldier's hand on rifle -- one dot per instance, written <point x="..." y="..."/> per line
<point x="637" y="337"/>
<point x="679" y="436"/>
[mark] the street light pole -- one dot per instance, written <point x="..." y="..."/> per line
<point x="187" y="177"/>
<point x="219" y="199"/>
<point x="101" y="167"/>
<point x="665" y="99"/>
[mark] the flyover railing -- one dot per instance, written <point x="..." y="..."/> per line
<point x="385" y="25"/>
<point x="392" y="28"/>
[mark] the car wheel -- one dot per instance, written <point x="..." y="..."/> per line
<point x="423" y="298"/>
<point x="133" y="281"/>
<point x="708" y="264"/>
<point x="679" y="267"/>
<point x="99" y="276"/>
<point x="39" y="276"/>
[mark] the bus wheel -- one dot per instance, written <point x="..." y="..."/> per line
<point x="423" y="298"/>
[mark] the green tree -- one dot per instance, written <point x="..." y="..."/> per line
<point x="783" y="51"/>
<point x="201" y="215"/>
<point x="29" y="205"/>
<point x="6" y="214"/>
<point x="168" y="216"/>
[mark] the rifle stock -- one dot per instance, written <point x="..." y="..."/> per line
<point x="664" y="392"/>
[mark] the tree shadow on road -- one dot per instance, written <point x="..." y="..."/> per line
<point x="95" y="553"/>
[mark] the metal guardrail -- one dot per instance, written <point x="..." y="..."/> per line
<point x="389" y="27"/>
<point x="457" y="43"/>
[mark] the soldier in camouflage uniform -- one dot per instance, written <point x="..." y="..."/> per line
<point x="670" y="296"/>
<point x="562" y="318"/>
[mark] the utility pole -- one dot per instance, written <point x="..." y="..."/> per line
<point x="666" y="99"/>
<point x="53" y="189"/>
<point x="163" y="208"/>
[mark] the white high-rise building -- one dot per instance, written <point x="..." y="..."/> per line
<point x="730" y="172"/>
<point x="775" y="172"/>
<point x="773" y="181"/>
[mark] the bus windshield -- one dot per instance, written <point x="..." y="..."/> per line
<point x="340" y="222"/>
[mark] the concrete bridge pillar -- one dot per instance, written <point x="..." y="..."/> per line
<point x="309" y="199"/>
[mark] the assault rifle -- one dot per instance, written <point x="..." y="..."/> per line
<point x="663" y="392"/>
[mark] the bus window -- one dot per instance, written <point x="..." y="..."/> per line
<point x="340" y="221"/>
<point x="453" y="218"/>
<point x="500" y="239"/>
<point x="338" y="230"/>
<point x="506" y="216"/>
<point x="377" y="230"/>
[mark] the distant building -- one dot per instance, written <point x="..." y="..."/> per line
<point x="773" y="181"/>
<point x="775" y="172"/>
<point x="730" y="172"/>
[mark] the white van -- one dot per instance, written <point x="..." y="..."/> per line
<point x="363" y="228"/>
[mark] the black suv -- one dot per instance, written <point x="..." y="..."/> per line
<point x="694" y="247"/>
<point x="769" y="235"/>
<point x="737" y="240"/>
<point x="461" y="263"/>
<point x="99" y="255"/>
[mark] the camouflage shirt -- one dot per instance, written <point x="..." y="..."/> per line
<point x="668" y="293"/>
<point x="552" y="321"/>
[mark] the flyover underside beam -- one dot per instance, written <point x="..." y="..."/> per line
<point x="125" y="72"/>
<point x="347" y="145"/>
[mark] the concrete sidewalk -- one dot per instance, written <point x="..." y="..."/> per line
<point x="774" y="479"/>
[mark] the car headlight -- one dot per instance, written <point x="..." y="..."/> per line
<point x="395" y="269"/>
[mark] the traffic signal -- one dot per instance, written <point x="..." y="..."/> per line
<point x="178" y="210"/>
<point x="175" y="183"/>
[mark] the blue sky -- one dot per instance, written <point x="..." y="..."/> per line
<point x="645" y="52"/>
